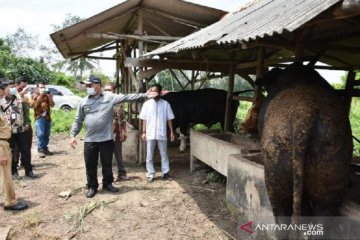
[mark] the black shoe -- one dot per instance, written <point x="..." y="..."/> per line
<point x="47" y="152"/>
<point x="121" y="178"/>
<point x="15" y="175"/>
<point x="166" y="177"/>
<point x="90" y="193"/>
<point x="150" y="179"/>
<point x="17" y="207"/>
<point x="41" y="153"/>
<point x="110" y="188"/>
<point x="30" y="174"/>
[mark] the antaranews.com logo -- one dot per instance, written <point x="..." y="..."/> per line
<point x="307" y="229"/>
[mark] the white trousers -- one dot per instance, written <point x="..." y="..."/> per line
<point x="150" y="147"/>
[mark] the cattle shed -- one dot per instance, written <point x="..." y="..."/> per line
<point x="270" y="33"/>
<point x="130" y="30"/>
<point x="263" y="34"/>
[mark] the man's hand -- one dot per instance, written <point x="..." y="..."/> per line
<point x="22" y="93"/>
<point x="3" y="161"/>
<point x="73" y="142"/>
<point x="143" y="137"/>
<point x="172" y="136"/>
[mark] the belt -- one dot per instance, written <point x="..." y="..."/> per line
<point x="4" y="139"/>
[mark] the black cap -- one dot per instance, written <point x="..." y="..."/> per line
<point x="21" y="79"/>
<point x="92" y="79"/>
<point x="5" y="82"/>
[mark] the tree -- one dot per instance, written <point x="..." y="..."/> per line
<point x="77" y="67"/>
<point x="13" y="67"/>
<point x="22" y="44"/>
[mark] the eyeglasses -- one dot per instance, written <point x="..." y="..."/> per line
<point x="108" y="90"/>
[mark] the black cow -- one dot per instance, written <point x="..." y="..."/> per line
<point x="205" y="106"/>
<point x="306" y="141"/>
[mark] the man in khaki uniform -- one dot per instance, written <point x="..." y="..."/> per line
<point x="6" y="183"/>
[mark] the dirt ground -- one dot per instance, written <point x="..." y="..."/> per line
<point x="184" y="208"/>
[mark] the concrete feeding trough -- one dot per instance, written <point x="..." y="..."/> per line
<point x="213" y="148"/>
<point x="245" y="187"/>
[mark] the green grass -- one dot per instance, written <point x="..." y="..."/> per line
<point x="355" y="124"/>
<point x="61" y="121"/>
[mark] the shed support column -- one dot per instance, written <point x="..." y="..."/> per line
<point x="142" y="87"/>
<point x="228" y="124"/>
<point x="350" y="80"/>
<point x="259" y="72"/>
<point x="117" y="71"/>
<point x="299" y="48"/>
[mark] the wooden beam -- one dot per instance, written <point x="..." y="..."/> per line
<point x="134" y="79"/>
<point x="243" y="98"/>
<point x="260" y="69"/>
<point x="176" y="78"/>
<point x="299" y="47"/>
<point x="147" y="38"/>
<point x="117" y="70"/>
<point x="183" y="21"/>
<point x="248" y="79"/>
<point x="101" y="23"/>
<point x="349" y="86"/>
<point x="229" y="99"/>
<point x="157" y="28"/>
<point x="307" y="45"/>
<point x="93" y="51"/>
<point x="149" y="73"/>
<point x="282" y="65"/>
<point x="94" y="57"/>
<point x="316" y="58"/>
<point x="184" y="65"/>
<point x="186" y="77"/>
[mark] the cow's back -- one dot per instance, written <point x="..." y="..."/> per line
<point x="206" y="106"/>
<point x="304" y="117"/>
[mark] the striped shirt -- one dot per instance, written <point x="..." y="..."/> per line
<point x="97" y="113"/>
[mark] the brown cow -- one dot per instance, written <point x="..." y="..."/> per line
<point x="306" y="143"/>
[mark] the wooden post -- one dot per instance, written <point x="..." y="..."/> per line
<point x="117" y="71"/>
<point x="228" y="123"/>
<point x="299" y="48"/>
<point x="141" y="146"/>
<point x="350" y="80"/>
<point x="259" y="72"/>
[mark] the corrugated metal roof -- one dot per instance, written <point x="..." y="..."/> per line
<point x="174" y="17"/>
<point x="263" y="17"/>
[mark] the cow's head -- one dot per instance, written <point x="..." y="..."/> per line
<point x="270" y="80"/>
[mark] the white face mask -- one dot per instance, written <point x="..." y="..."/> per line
<point x="12" y="91"/>
<point x="90" y="91"/>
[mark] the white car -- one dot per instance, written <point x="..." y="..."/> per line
<point x="63" y="97"/>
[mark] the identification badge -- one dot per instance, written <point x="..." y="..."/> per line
<point x="13" y="116"/>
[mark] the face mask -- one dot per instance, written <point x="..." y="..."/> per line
<point x="12" y="91"/>
<point x="90" y="91"/>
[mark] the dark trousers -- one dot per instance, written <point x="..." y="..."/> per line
<point x="22" y="143"/>
<point x="16" y="153"/>
<point x="119" y="158"/>
<point x="91" y="156"/>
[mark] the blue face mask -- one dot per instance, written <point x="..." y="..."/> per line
<point x="90" y="91"/>
<point x="12" y="91"/>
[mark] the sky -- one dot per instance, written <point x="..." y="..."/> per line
<point x="38" y="16"/>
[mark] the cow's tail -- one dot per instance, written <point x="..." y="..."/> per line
<point x="301" y="129"/>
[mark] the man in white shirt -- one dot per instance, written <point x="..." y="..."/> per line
<point x="156" y="115"/>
